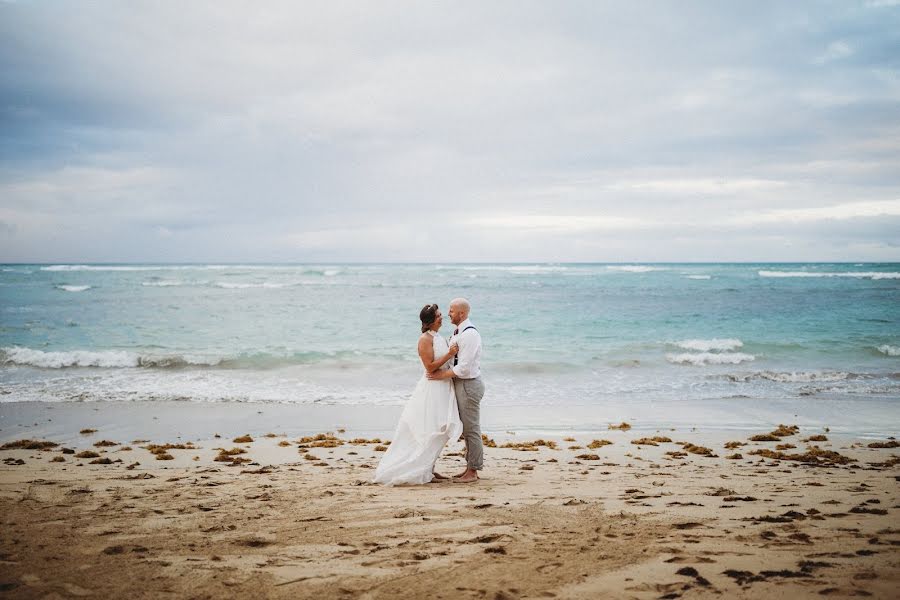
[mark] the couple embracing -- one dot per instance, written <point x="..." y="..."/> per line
<point x="445" y="403"/>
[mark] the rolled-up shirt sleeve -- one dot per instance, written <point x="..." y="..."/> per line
<point x="469" y="342"/>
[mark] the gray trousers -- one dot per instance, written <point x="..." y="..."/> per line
<point x="468" y="399"/>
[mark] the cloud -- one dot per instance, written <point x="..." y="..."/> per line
<point x="560" y="223"/>
<point x="835" y="51"/>
<point x="724" y="186"/>
<point x="341" y="131"/>
<point x="855" y="210"/>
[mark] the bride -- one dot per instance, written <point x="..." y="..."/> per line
<point x="430" y="418"/>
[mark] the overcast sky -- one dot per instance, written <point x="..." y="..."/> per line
<point x="449" y="131"/>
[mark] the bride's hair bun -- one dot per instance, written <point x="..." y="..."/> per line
<point x="427" y="315"/>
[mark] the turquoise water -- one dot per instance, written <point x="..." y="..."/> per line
<point x="559" y="335"/>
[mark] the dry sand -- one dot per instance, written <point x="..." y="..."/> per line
<point x="296" y="523"/>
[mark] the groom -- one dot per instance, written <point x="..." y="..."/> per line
<point x="469" y="387"/>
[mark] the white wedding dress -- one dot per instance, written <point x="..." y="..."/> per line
<point x="429" y="420"/>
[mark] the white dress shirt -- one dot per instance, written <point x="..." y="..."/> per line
<point x="469" y="364"/>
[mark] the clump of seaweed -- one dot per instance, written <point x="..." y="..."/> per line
<point x="488" y="442"/>
<point x="784" y="446"/>
<point x="654" y="441"/>
<point x="87" y="454"/>
<point x="588" y="457"/>
<point x="644" y="442"/>
<point x="57" y="459"/>
<point x="309" y="456"/>
<point x="888" y="444"/>
<point x="229" y="456"/>
<point x="734" y="445"/>
<point x="623" y="426"/>
<point x="816" y="438"/>
<point x="284" y="443"/>
<point x="87" y="431"/>
<point x="105" y="443"/>
<point x="332" y="443"/>
<point x="234" y="451"/>
<point x="530" y="446"/>
<point x="328" y="440"/>
<point x="735" y="456"/>
<point x="28" y="445"/>
<point x="379" y="448"/>
<point x="776" y="434"/>
<point x="101" y="461"/>
<point x="244" y="439"/>
<point x="813" y="455"/>
<point x="360" y="441"/>
<point x="676" y="454"/>
<point x="785" y="430"/>
<point x="569" y="439"/>
<point x="598" y="444"/>
<point x="161" y="451"/>
<point x="694" y="449"/>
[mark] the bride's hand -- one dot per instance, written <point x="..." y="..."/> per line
<point x="453" y="350"/>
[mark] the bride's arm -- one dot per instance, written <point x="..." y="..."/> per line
<point x="426" y="354"/>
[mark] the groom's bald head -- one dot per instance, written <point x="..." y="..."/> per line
<point x="459" y="310"/>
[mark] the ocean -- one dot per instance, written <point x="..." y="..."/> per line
<point x="567" y="347"/>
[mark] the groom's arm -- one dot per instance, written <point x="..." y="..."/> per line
<point x="467" y="349"/>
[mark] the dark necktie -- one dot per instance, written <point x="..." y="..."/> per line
<point x="456" y="356"/>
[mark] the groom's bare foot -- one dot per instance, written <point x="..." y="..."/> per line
<point x="463" y="474"/>
<point x="469" y="476"/>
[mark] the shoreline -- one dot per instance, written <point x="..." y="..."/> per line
<point x="198" y="420"/>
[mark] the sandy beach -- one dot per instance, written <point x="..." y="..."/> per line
<point x="296" y="517"/>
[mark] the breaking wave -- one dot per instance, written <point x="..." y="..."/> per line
<point x="700" y="359"/>
<point x="791" y="376"/>
<point x="855" y="274"/>
<point x="86" y="358"/>
<point x="633" y="268"/>
<point x="709" y="345"/>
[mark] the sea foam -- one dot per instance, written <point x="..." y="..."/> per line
<point x="855" y="274"/>
<point x="242" y="286"/>
<point x="889" y="350"/>
<point x="791" y="376"/>
<point x="76" y="358"/>
<point x="633" y="268"/>
<point x="161" y="283"/>
<point x="708" y="345"/>
<point x="109" y="359"/>
<point x="73" y="288"/>
<point x="709" y="358"/>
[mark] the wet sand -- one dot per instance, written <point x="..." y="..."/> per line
<point x="298" y="518"/>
